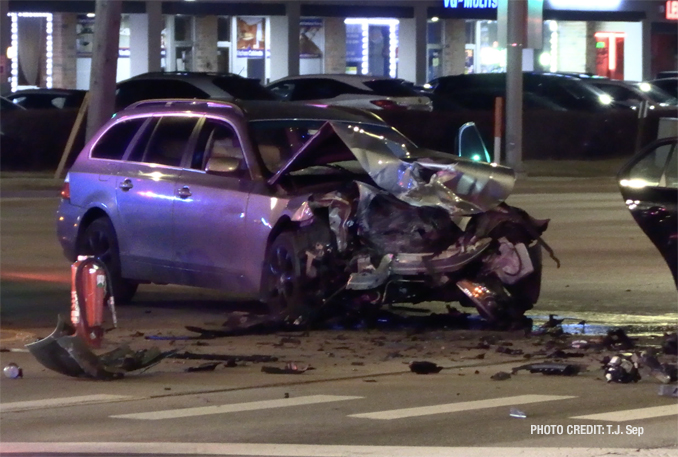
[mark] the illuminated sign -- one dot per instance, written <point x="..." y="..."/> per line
<point x="672" y="10"/>
<point x="476" y="4"/>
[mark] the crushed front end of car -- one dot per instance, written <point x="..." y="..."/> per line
<point x="425" y="226"/>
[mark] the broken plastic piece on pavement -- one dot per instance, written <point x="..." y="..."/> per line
<point x="424" y="367"/>
<point x="649" y="364"/>
<point x="65" y="352"/>
<point x="13" y="371"/>
<point x="621" y="369"/>
<point x="209" y="366"/>
<point x="501" y="376"/>
<point x="563" y="369"/>
<point x="668" y="390"/>
<point x="580" y="344"/>
<point x="290" y="368"/>
<point x="515" y="412"/>
<point x="222" y="357"/>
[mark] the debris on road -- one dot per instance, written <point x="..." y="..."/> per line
<point x="668" y="391"/>
<point x="563" y="369"/>
<point x="290" y="368"/>
<point x="13" y="371"/>
<point x="560" y="354"/>
<point x="500" y="376"/>
<point x="424" y="367"/>
<point x="209" y="366"/>
<point x="65" y="352"/>
<point x="222" y="357"/>
<point x="618" y="340"/>
<point x="518" y="414"/>
<point x="621" y="369"/>
<point x="670" y="343"/>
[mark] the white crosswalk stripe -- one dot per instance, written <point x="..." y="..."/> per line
<point x="233" y="408"/>
<point x="633" y="414"/>
<point x="65" y="401"/>
<point x="461" y="406"/>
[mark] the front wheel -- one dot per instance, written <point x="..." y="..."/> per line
<point x="99" y="240"/>
<point x="283" y="277"/>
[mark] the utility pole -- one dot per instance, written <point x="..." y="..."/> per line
<point x="104" y="64"/>
<point x="515" y="28"/>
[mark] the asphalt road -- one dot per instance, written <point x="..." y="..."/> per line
<point x="359" y="399"/>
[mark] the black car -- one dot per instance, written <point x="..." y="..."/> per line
<point x="48" y="98"/>
<point x="539" y="90"/>
<point x="222" y="86"/>
<point x="649" y="185"/>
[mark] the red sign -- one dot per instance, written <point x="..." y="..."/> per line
<point x="672" y="10"/>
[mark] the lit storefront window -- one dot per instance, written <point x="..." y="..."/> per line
<point x="372" y="46"/>
<point x="32" y="43"/>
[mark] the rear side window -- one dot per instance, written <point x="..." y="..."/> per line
<point x="391" y="88"/>
<point x="113" y="144"/>
<point x="167" y="142"/>
<point x="243" y="88"/>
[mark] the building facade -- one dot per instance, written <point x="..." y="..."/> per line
<point x="49" y="44"/>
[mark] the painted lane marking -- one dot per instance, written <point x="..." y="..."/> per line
<point x="633" y="414"/>
<point x="65" y="401"/>
<point x="234" y="408"/>
<point x="312" y="450"/>
<point x="457" y="407"/>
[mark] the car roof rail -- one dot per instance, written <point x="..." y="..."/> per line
<point x="183" y="103"/>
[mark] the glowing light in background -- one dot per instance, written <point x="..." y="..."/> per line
<point x="393" y="42"/>
<point x="49" y="47"/>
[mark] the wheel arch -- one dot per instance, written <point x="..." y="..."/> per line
<point x="90" y="216"/>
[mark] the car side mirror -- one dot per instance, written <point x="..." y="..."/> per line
<point x="223" y="164"/>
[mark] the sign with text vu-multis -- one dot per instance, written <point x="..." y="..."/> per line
<point x="470" y="4"/>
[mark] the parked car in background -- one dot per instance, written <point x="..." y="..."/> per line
<point x="668" y="85"/>
<point x="367" y="92"/>
<point x="48" y="98"/>
<point x="649" y="186"/>
<point x="632" y="94"/>
<point x="563" y="91"/>
<point x="221" y="86"/>
<point x="294" y="204"/>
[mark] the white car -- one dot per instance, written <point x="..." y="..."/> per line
<point x="357" y="91"/>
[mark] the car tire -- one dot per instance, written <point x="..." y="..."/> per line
<point x="284" y="279"/>
<point x="99" y="240"/>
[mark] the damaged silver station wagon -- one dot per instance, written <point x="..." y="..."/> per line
<point x="305" y="208"/>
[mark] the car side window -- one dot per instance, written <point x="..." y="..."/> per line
<point x="113" y="144"/>
<point x="283" y="90"/>
<point x="217" y="139"/>
<point x="168" y="141"/>
<point x="316" y="89"/>
<point x="650" y="169"/>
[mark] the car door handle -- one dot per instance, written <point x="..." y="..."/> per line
<point x="126" y="185"/>
<point x="184" y="192"/>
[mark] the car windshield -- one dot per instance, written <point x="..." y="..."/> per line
<point x="243" y="88"/>
<point x="390" y="88"/>
<point x="279" y="140"/>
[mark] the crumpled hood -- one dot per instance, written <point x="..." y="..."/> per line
<point x="459" y="186"/>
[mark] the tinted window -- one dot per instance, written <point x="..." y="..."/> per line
<point x="216" y="139"/>
<point x="390" y="88"/>
<point x="243" y="88"/>
<point x="168" y="141"/>
<point x="320" y="88"/>
<point x="283" y="90"/>
<point x="649" y="169"/>
<point x="114" y="142"/>
<point x="619" y="93"/>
